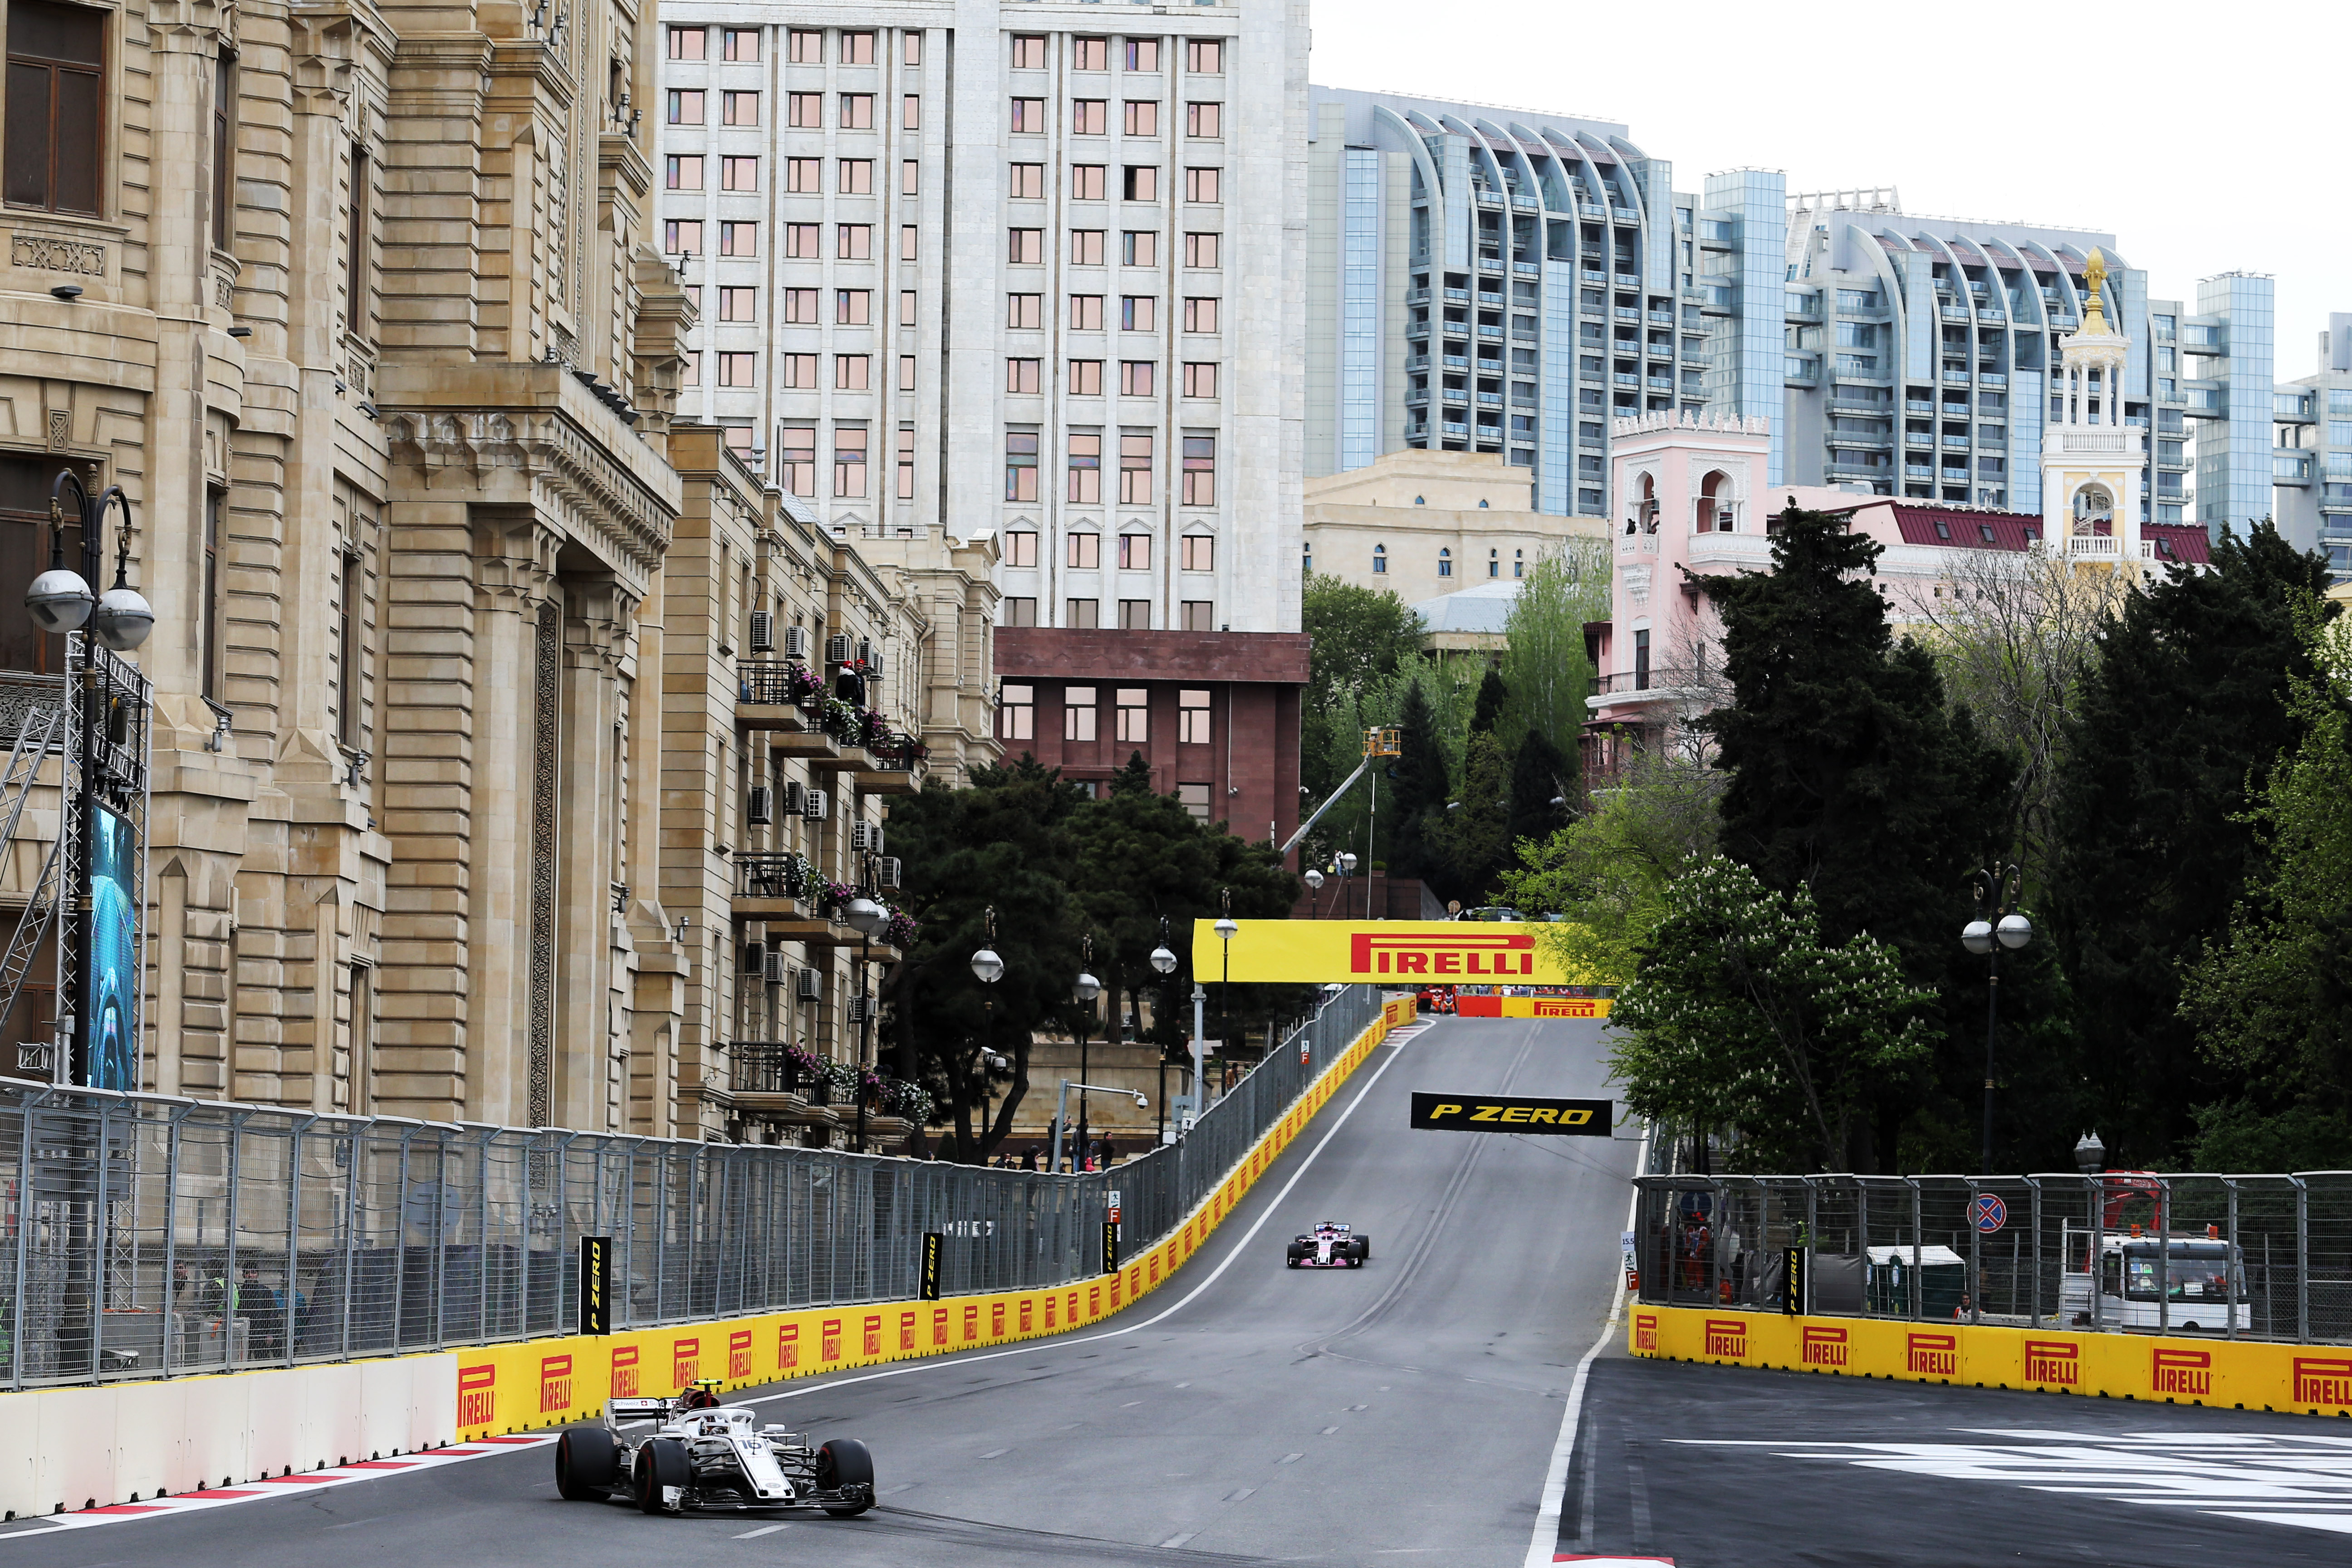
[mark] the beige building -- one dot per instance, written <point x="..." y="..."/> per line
<point x="451" y="765"/>
<point x="1424" y="523"/>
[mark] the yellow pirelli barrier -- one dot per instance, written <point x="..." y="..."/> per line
<point x="2240" y="1374"/>
<point x="504" y="1388"/>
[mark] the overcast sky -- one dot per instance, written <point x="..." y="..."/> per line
<point x="2046" y="114"/>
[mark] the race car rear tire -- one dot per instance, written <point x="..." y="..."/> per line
<point x="844" y="1462"/>
<point x="661" y="1463"/>
<point x="587" y="1463"/>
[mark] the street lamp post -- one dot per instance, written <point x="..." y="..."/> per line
<point x="1314" y="880"/>
<point x="866" y="918"/>
<point x="1996" y="888"/>
<point x="1087" y="990"/>
<point x="1163" y="961"/>
<point x="1062" y="1111"/>
<point x="1226" y="930"/>
<point x="989" y="969"/>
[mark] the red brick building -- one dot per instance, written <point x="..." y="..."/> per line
<point x="1215" y="714"/>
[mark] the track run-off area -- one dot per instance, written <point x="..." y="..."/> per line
<point x="1409" y="1410"/>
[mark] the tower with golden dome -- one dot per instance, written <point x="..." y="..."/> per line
<point x="2091" y="459"/>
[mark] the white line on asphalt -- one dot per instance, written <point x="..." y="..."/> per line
<point x="1327" y="1431"/>
<point x="996" y="1453"/>
<point x="1179" y="1540"/>
<point x="764" y="1529"/>
<point x="1290" y="1458"/>
<point x="1215" y="1275"/>
<point x="1546" y="1540"/>
<point x="1237" y="1496"/>
<point x="1131" y="1405"/>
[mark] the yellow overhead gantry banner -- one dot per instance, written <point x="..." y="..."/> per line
<point x="1382" y="953"/>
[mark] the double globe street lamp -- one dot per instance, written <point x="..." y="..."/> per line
<point x="1996" y="888"/>
<point x="1163" y="963"/>
<point x="988" y="969"/>
<point x="869" y="920"/>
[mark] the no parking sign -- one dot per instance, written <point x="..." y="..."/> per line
<point x="1988" y="1213"/>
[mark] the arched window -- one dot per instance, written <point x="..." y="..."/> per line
<point x="1711" y="514"/>
<point x="1306" y="559"/>
<point x="1379" y="560"/>
<point x="1482" y="506"/>
<point x="1518" y="563"/>
<point x="1494" y="564"/>
<point x="1444" y="563"/>
<point x="1419" y="500"/>
<point x="1649" y="503"/>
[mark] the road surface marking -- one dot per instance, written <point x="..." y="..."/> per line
<point x="1290" y="1458"/>
<point x="996" y="1453"/>
<point x="1237" y="1496"/>
<point x="1175" y="1541"/>
<point x="1131" y="1405"/>
<point x="1327" y="1431"/>
<point x="764" y="1529"/>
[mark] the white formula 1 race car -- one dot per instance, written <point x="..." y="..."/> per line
<point x="1330" y="1244"/>
<point x="701" y="1454"/>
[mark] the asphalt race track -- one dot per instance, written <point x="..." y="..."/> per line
<point x="1718" y="1465"/>
<point x="1405" y="1409"/>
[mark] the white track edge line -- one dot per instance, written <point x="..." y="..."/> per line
<point x="1545" y="1543"/>
<point x="931" y="1364"/>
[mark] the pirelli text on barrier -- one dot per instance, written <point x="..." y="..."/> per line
<point x="1511" y="1113"/>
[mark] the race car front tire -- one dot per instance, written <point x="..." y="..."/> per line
<point x="845" y="1462"/>
<point x="1363" y="1246"/>
<point x="1292" y="1263"/>
<point x="661" y="1463"/>
<point x="587" y="1463"/>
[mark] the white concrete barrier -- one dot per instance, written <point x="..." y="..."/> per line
<point x="69" y="1447"/>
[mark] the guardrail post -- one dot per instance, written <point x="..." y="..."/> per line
<point x="2098" y="1243"/>
<point x="2034" y="1299"/>
<point x="171" y="1242"/>
<point x="2302" y="1261"/>
<point x="1918" y="1223"/>
<point x="101" y="1231"/>
<point x="2229" y="1258"/>
<point x="1976" y="1256"/>
<point x="2163" y="1257"/>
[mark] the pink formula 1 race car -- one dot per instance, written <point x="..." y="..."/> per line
<point x="1330" y="1244"/>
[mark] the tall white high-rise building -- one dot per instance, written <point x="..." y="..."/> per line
<point x="993" y="266"/>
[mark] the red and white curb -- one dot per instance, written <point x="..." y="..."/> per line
<point x="268" y="1487"/>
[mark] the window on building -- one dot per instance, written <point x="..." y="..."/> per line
<point x="1026" y="181"/>
<point x="1020" y="465"/>
<point x="739" y="107"/>
<point x="1194" y="798"/>
<point x="1086" y="377"/>
<point x="857" y="49"/>
<point x="911" y="47"/>
<point x="848" y="462"/>
<point x="1078" y="701"/>
<point x="737" y="369"/>
<point x="806" y="46"/>
<point x="685" y="42"/>
<point x="1086" y="247"/>
<point x="1135" y="552"/>
<point x="224" y="127"/>
<point x="358" y="312"/>
<point x="1205" y="120"/>
<point x="1379" y="560"/>
<point x="906" y="372"/>
<point x="1085" y="486"/>
<point x="685" y="105"/>
<point x="739" y="44"/>
<point x="739" y="174"/>
<point x="739" y="239"/>
<point x="1025" y="246"/>
<point x="1090" y="116"/>
<point x="796" y="459"/>
<point x="797" y="372"/>
<point x="856" y="111"/>
<point x="1200" y="315"/>
<point x="801" y="241"/>
<point x="739" y="440"/>
<point x="1139" y="247"/>
<point x="1029" y="51"/>
<point x="350" y="621"/>
<point x="1199" y="553"/>
<point x="1135" y="377"/>
<point x="739" y="304"/>
<point x="1201" y="250"/>
<point x="1204" y="185"/>
<point x="210" y="663"/>
<point x="799" y="307"/>
<point x="1140" y="183"/>
<point x="910" y="177"/>
<point x="1091" y="54"/>
<point x="907" y="460"/>
<point x="1444" y="563"/>
<point x="805" y="177"/>
<point x="906" y="242"/>
<point x="1193" y="715"/>
<point x="1200" y="470"/>
<point x="856" y="176"/>
<point x="1024" y="312"/>
<point x="851" y="372"/>
<point x="853" y="306"/>
<point x="1086" y="181"/>
<point x="910" y="112"/>
<point x="1086" y="313"/>
<point x="1134" y="709"/>
<point x="1016" y="710"/>
<point x="1020" y="548"/>
<point x="1200" y="378"/>
<point x="1082" y="552"/>
<point x="1024" y="374"/>
<point x="1020" y="611"/>
<point x="690" y="370"/>
<point x="907" y="308"/>
<point x="1143" y="117"/>
<point x="1204" y="56"/>
<point x="1138" y="312"/>
<point x="1135" y="615"/>
<point x="682" y="172"/>
<point x="804" y="111"/>
<point x="1518" y="563"/>
<point x="854" y="241"/>
<point x="1135" y="468"/>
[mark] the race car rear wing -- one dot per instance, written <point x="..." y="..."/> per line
<point x="620" y="1410"/>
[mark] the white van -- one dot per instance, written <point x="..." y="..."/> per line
<point x="2199" y="1286"/>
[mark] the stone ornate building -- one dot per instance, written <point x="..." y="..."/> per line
<point x="450" y="775"/>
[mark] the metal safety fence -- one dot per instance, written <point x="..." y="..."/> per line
<point x="143" y="1236"/>
<point x="2237" y="1257"/>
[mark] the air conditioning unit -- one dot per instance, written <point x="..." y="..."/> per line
<point x="874" y="668"/>
<point x="795" y="802"/>
<point x="874" y="843"/>
<point x="760" y="807"/>
<point x="816" y="805"/>
<point x="808" y="984"/>
<point x="763" y="631"/>
<point x="867" y="660"/>
<point x="796" y="642"/>
<point x="754" y="958"/>
<point x="775" y="970"/>
<point x="836" y="648"/>
<point x="863" y="841"/>
<point x="886" y="873"/>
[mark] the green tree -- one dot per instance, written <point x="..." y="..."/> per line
<point x="1492" y="697"/>
<point x="1471" y="843"/>
<point x="1421" y="788"/>
<point x="1546" y="668"/>
<point x="2271" y="999"/>
<point x="1744" y="1020"/>
<point x="1360" y="634"/>
<point x="2176" y="734"/>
